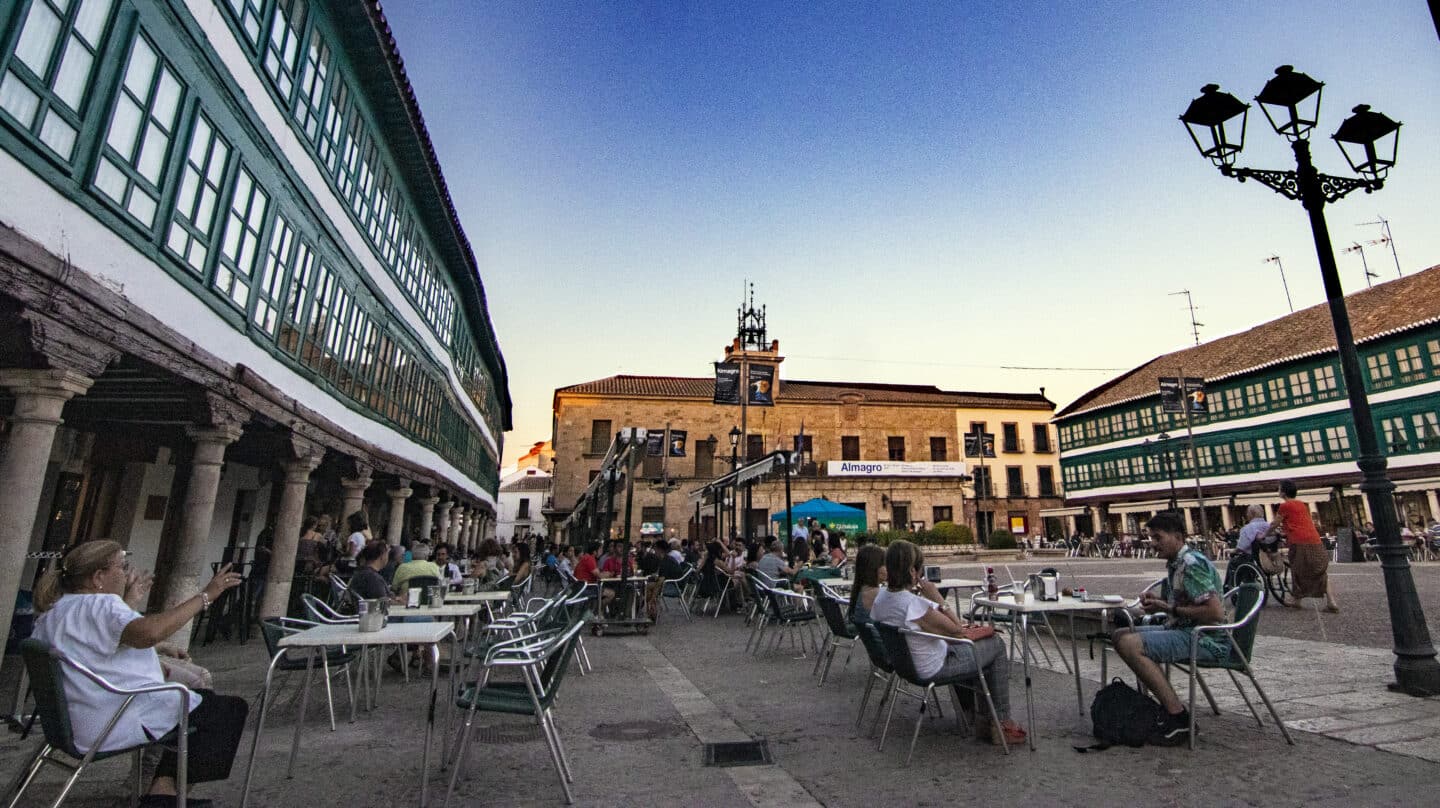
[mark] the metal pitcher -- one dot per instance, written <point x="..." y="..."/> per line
<point x="436" y="594"/>
<point x="373" y="614"/>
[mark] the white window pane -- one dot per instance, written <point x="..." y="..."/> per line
<point x="240" y="294"/>
<point x="198" y="252"/>
<point x="58" y="134"/>
<point x="74" y="74"/>
<point x="142" y="68"/>
<point x="178" y="239"/>
<point x="90" y="21"/>
<point x="232" y="237"/>
<point x="18" y="100"/>
<point x="152" y="154"/>
<point x="199" y="140"/>
<point x="109" y="180"/>
<point x="142" y="207"/>
<point x="206" y="214"/>
<point x="124" y="127"/>
<point x="167" y="100"/>
<point x="257" y="210"/>
<point x="37" y="39"/>
<point x="219" y="153"/>
<point x="246" y="261"/>
<point x="188" y="185"/>
<point x="223" y="278"/>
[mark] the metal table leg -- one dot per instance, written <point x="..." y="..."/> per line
<point x="304" y="704"/>
<point x="1029" y="693"/>
<point x="259" y="729"/>
<point x="1075" y="657"/>
<point x="430" y="722"/>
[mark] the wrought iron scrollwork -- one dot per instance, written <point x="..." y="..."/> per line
<point x="1285" y="183"/>
<point x="1337" y="187"/>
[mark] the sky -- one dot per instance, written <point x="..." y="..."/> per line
<point x="979" y="196"/>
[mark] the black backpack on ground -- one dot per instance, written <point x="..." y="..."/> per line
<point x="1120" y="714"/>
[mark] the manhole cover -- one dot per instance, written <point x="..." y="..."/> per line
<point x="506" y="733"/>
<point x="635" y="731"/>
<point x="740" y="753"/>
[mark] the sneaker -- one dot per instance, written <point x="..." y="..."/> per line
<point x="1172" y="730"/>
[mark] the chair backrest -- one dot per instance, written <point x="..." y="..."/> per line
<point x="834" y="611"/>
<point x="1247" y="597"/>
<point x="321" y="612"/>
<point x="897" y="650"/>
<point x="420" y="581"/>
<point x="273" y="629"/>
<point x="47" y="685"/>
<point x="874" y="647"/>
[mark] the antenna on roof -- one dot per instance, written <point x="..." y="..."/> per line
<point x="1275" y="259"/>
<point x="1385" y="239"/>
<point x="1356" y="247"/>
<point x="1194" y="324"/>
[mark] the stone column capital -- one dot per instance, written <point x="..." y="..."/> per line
<point x="360" y="484"/>
<point x="40" y="395"/>
<point x="403" y="492"/>
<point x="298" y="470"/>
<point x="428" y="502"/>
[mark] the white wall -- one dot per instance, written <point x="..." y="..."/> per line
<point x="141" y="536"/>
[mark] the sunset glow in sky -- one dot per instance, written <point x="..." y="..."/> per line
<point x="925" y="193"/>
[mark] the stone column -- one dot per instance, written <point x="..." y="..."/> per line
<point x="1189" y="520"/>
<point x="1434" y="503"/>
<point x="1270" y="511"/>
<point x="40" y="395"/>
<point x="457" y="518"/>
<point x="427" y="518"/>
<point x="1227" y="519"/>
<point x="354" y="499"/>
<point x="190" y="571"/>
<point x="307" y="456"/>
<point x="472" y="523"/>
<point x="442" y="521"/>
<point x="397" y="512"/>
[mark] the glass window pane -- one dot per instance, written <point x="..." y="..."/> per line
<point x="142" y="206"/>
<point x="109" y="180"/>
<point x="152" y="154"/>
<point x="18" y="100"/>
<point x="124" y="127"/>
<point x="90" y="20"/>
<point x="189" y="184"/>
<point x="167" y="100"/>
<point x="141" y="71"/>
<point x="37" y="38"/>
<point x="74" y="74"/>
<point x="58" y="135"/>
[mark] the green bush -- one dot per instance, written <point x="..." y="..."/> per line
<point x="1001" y="540"/>
<point x="951" y="533"/>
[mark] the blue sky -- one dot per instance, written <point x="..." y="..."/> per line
<point x="921" y="192"/>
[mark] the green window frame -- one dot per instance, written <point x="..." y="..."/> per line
<point x="314" y="81"/>
<point x="297" y="298"/>
<point x="1432" y="348"/>
<point x="1254" y="396"/>
<point x="1408" y="364"/>
<point x="1325" y="381"/>
<point x="1301" y="391"/>
<point x="1225" y="457"/>
<point x="1234" y="399"/>
<point x="1427" y="430"/>
<point x="1396" y="439"/>
<point x="250" y="16"/>
<point x="270" y="284"/>
<point x="317" y="317"/>
<point x="1244" y="453"/>
<point x="282" y="47"/>
<point x="48" y="78"/>
<point x="335" y="329"/>
<point x="1381" y="375"/>
<point x="330" y="142"/>
<point x="240" y="246"/>
<point x="1277" y="392"/>
<point x="1265" y="452"/>
<point x="1312" y="443"/>
<point x="1289" y="448"/>
<point x="192" y="222"/>
<point x="141" y="132"/>
<point x="1337" y="440"/>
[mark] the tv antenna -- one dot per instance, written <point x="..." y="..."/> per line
<point x="1194" y="324"/>
<point x="1386" y="239"/>
<point x="1358" y="247"/>
<point x="1275" y="259"/>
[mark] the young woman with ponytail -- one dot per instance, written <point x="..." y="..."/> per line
<point x="89" y="604"/>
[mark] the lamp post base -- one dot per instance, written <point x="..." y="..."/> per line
<point x="1416" y="677"/>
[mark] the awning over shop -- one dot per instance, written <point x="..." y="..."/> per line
<point x="830" y="514"/>
<point x="1044" y="512"/>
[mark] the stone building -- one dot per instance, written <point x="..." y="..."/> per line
<point x="1277" y="410"/>
<point x="893" y="450"/>
<point x="233" y="291"/>
<point x="518" y="508"/>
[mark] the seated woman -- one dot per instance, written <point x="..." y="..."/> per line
<point x="869" y="576"/>
<point x="910" y="601"/>
<point x="837" y="548"/>
<point x="520" y="563"/>
<point x="88" y="605"/>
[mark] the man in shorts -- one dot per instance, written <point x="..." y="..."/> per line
<point x="1191" y="596"/>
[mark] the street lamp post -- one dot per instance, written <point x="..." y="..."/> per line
<point x="1368" y="139"/>
<point x="1163" y="441"/>
<point x="734" y="464"/>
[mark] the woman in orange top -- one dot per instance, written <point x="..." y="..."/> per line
<point x="1309" y="560"/>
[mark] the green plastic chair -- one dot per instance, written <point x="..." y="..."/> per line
<point x="47" y="685"/>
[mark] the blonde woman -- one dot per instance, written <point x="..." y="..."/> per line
<point x="88" y="606"/>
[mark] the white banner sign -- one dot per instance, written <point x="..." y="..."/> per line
<point x="892" y="468"/>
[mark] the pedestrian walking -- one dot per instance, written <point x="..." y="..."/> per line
<point x="1309" y="560"/>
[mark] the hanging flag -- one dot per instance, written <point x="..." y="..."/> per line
<point x="655" y="443"/>
<point x="762" y="385"/>
<point x="677" y="443"/>
<point x="1174" y="398"/>
<point x="727" y="383"/>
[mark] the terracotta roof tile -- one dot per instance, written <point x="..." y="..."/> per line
<point x="1386" y="309"/>
<point x="808" y="391"/>
<point x="527" y="483"/>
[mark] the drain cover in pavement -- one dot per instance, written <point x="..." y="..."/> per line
<point x="635" y="731"/>
<point x="741" y="753"/>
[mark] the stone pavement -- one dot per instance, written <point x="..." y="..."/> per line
<point x="634" y="731"/>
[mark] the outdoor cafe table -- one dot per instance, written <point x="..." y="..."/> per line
<point x="317" y="639"/>
<point x="489" y="599"/>
<point x="1022" y="609"/>
<point x="954" y="585"/>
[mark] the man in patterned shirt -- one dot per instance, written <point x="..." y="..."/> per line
<point x="1191" y="596"/>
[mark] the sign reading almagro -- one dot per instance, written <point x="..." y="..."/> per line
<point x="892" y="468"/>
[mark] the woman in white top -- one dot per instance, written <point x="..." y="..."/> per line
<point x="87" y="604"/>
<point x="908" y="600"/>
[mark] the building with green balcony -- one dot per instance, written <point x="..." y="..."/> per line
<point x="1277" y="410"/>
<point x="234" y="291"/>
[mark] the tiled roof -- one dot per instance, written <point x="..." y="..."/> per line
<point x="673" y="387"/>
<point x="1389" y="308"/>
<point x="527" y="483"/>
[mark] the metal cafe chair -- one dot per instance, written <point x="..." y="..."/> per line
<point x="898" y="650"/>
<point x="44" y="666"/>
<point x="275" y="628"/>
<point x="842" y="634"/>
<point x="880" y="669"/>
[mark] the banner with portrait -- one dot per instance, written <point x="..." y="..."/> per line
<point x="727" y="383"/>
<point x="677" y="442"/>
<point x="762" y="385"/>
